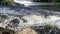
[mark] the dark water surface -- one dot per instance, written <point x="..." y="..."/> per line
<point x="39" y="9"/>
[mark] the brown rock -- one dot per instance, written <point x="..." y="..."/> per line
<point x="27" y="30"/>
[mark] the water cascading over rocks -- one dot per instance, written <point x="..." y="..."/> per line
<point x="39" y="23"/>
<point x="13" y="23"/>
<point x="50" y="25"/>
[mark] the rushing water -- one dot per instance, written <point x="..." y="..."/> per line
<point x="30" y="3"/>
<point x="16" y="18"/>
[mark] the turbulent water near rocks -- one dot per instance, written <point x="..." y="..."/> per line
<point x="16" y="18"/>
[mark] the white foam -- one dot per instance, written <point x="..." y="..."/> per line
<point x="53" y="21"/>
<point x="40" y="20"/>
<point x="34" y="19"/>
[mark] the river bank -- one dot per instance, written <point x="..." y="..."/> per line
<point x="10" y="2"/>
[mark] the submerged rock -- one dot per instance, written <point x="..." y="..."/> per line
<point x="3" y="16"/>
<point x="46" y="29"/>
<point x="15" y="21"/>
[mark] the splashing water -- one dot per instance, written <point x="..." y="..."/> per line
<point x="53" y="21"/>
<point x="17" y="23"/>
<point x="18" y="18"/>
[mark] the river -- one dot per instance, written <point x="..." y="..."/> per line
<point x="29" y="16"/>
<point x="37" y="9"/>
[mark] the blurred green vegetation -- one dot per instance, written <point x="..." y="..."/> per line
<point x="45" y="0"/>
<point x="6" y="1"/>
<point x="11" y="1"/>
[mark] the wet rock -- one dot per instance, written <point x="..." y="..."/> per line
<point x="1" y="20"/>
<point x="24" y="20"/>
<point x="47" y="28"/>
<point x="39" y="29"/>
<point x="3" y="16"/>
<point x="15" y="21"/>
<point x="57" y="32"/>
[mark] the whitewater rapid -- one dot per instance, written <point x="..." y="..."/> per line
<point x="18" y="23"/>
<point x="16" y="18"/>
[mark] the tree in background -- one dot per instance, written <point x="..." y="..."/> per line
<point x="9" y="1"/>
<point x="6" y="2"/>
<point x="45" y="0"/>
<point x="1" y="1"/>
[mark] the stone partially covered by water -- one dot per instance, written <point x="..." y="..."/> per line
<point x="46" y="29"/>
<point x="3" y="16"/>
<point x="14" y="23"/>
<point x="50" y="25"/>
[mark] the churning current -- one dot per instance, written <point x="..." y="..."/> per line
<point x="16" y="18"/>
